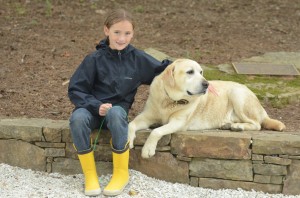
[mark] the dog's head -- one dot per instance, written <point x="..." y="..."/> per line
<point x="184" y="77"/>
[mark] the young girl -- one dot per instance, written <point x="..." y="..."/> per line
<point x="104" y="85"/>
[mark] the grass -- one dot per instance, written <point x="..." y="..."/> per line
<point x="20" y="9"/>
<point x="48" y="8"/>
<point x="93" y="6"/>
<point x="214" y="74"/>
<point x="139" y="9"/>
<point x="266" y="88"/>
<point x="196" y="54"/>
<point x="33" y="22"/>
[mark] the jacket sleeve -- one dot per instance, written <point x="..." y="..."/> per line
<point x="81" y="86"/>
<point x="151" y="67"/>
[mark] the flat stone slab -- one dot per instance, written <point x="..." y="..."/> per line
<point x="25" y="155"/>
<point x="157" y="54"/>
<point x="265" y="69"/>
<point x="211" y="144"/>
<point x="162" y="166"/>
<point x="223" y="169"/>
<point x="223" y="184"/>
<point x="276" y="143"/>
<point x="33" y="129"/>
<point x="278" y="58"/>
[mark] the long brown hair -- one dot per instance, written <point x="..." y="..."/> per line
<point x="116" y="16"/>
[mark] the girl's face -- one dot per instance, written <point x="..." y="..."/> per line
<point x="120" y="34"/>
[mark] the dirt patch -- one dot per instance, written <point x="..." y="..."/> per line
<point x="43" y="42"/>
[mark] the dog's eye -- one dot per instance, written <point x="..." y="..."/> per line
<point x="201" y="72"/>
<point x="190" y="72"/>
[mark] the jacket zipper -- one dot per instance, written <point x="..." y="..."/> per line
<point x="119" y="67"/>
<point x="119" y="54"/>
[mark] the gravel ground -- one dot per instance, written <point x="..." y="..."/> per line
<point x="17" y="182"/>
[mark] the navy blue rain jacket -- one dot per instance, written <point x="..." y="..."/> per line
<point x="111" y="76"/>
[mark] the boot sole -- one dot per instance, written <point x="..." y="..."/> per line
<point x="93" y="192"/>
<point x="115" y="192"/>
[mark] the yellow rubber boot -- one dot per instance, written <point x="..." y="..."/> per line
<point x="87" y="161"/>
<point x="120" y="177"/>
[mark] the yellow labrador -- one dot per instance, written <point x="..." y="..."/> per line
<point x="179" y="100"/>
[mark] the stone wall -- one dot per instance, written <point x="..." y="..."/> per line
<point x="264" y="161"/>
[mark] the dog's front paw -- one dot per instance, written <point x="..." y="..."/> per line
<point x="131" y="137"/>
<point x="226" y="126"/>
<point x="131" y="145"/>
<point x="237" y="127"/>
<point x="148" y="150"/>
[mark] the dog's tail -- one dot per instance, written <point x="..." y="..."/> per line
<point x="272" y="124"/>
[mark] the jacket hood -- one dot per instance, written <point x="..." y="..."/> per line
<point x="103" y="44"/>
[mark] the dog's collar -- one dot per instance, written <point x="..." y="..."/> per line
<point x="181" y="102"/>
<point x="177" y="102"/>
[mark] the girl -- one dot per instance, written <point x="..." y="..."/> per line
<point x="104" y="85"/>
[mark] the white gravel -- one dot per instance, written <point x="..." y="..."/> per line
<point x="18" y="182"/>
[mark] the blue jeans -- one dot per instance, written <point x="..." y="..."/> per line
<point x="82" y="123"/>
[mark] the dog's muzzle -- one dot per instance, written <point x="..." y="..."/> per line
<point x="203" y="90"/>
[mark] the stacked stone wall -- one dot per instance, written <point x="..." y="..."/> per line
<point x="263" y="161"/>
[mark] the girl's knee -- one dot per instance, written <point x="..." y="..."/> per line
<point x="116" y="112"/>
<point x="80" y="116"/>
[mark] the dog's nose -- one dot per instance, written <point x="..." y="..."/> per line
<point x="205" y="84"/>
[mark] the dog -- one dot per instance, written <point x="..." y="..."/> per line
<point x="181" y="99"/>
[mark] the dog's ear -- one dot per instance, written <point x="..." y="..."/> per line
<point x="168" y="76"/>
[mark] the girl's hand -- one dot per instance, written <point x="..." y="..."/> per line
<point x="103" y="109"/>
